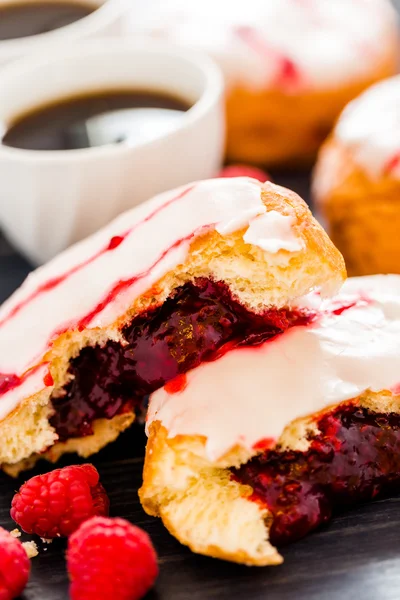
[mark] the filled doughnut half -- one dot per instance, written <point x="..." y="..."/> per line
<point x="261" y="445"/>
<point x="290" y="66"/>
<point x="357" y="181"/>
<point x="175" y="282"/>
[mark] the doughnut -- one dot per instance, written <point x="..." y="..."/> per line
<point x="168" y="284"/>
<point x="290" y="65"/>
<point x="356" y="182"/>
<point x="258" y="448"/>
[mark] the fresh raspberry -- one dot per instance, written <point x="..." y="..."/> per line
<point x="244" y="171"/>
<point x="56" y="503"/>
<point x="14" y="566"/>
<point x="110" y="558"/>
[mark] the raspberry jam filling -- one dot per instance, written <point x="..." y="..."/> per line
<point x="199" y="322"/>
<point x="355" y="457"/>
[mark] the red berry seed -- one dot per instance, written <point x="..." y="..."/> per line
<point x="14" y="566"/>
<point x="110" y="558"/>
<point x="56" y="503"/>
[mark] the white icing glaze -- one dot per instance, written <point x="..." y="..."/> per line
<point x="329" y="42"/>
<point x="252" y="393"/>
<point x="160" y="234"/>
<point x="273" y="232"/>
<point x="31" y="385"/>
<point x="370" y="128"/>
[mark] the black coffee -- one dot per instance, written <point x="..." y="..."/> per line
<point x="110" y="117"/>
<point x="21" y="20"/>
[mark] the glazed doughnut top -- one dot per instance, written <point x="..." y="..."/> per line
<point x="250" y="394"/>
<point x="289" y="44"/>
<point x="94" y="283"/>
<point x="370" y="129"/>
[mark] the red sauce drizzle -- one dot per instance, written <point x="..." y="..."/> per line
<point x="288" y="74"/>
<point x="48" y="380"/>
<point x="51" y="284"/>
<point x="114" y="243"/>
<point x="396" y="389"/>
<point x="177" y="385"/>
<point x="123" y="285"/>
<point x="264" y="444"/>
<point x="392" y="164"/>
<point x="341" y="309"/>
<point x="10" y="381"/>
<point x="362" y="300"/>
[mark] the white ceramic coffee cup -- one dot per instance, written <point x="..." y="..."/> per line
<point x="50" y="199"/>
<point x="107" y="20"/>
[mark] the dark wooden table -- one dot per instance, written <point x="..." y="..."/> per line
<point x="356" y="556"/>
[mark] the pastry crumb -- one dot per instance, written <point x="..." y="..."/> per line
<point x="46" y="540"/>
<point x="15" y="533"/>
<point x="31" y="549"/>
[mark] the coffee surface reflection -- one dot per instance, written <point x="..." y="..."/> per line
<point x="110" y="117"/>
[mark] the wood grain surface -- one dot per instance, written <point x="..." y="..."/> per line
<point x="357" y="556"/>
